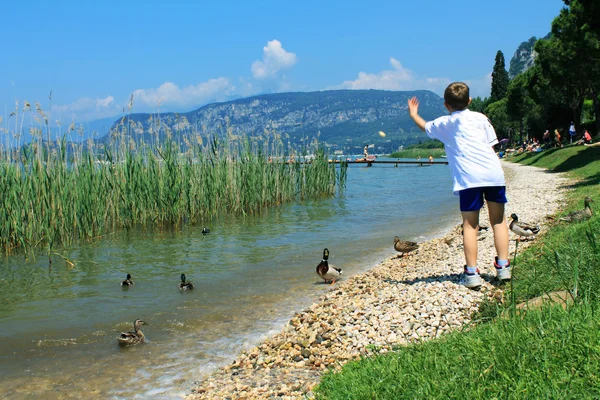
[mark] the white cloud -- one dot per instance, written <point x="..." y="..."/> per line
<point x="85" y="108"/>
<point x="275" y="58"/>
<point x="396" y="78"/>
<point x="170" y="94"/>
<point x="104" y="102"/>
<point x="400" y="78"/>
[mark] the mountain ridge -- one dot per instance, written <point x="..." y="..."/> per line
<point x="344" y="119"/>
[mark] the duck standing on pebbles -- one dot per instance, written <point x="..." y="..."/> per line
<point x="185" y="285"/>
<point x="523" y="229"/>
<point x="329" y="273"/>
<point x="128" y="281"/>
<point x="580" y="215"/>
<point x="404" y="247"/>
<point x="135" y="337"/>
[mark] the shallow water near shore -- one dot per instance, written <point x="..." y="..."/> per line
<point x="58" y="323"/>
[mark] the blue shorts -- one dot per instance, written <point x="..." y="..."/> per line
<point x="472" y="199"/>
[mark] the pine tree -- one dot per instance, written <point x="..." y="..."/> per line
<point x="499" y="79"/>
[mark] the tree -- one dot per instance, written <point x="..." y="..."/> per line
<point x="570" y="60"/>
<point x="499" y="79"/>
<point x="477" y="104"/>
<point x="498" y="116"/>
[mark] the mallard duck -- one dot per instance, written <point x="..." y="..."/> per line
<point x="183" y="285"/>
<point x="523" y="229"/>
<point x="580" y="215"/>
<point x="404" y="247"/>
<point x="135" y="337"/>
<point x="205" y="230"/>
<point x="128" y="281"/>
<point x="329" y="273"/>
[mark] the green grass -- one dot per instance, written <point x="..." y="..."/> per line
<point x="550" y="353"/>
<point x="418" y="152"/>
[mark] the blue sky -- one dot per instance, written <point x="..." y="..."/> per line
<point x="178" y="55"/>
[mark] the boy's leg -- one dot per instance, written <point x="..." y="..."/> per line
<point x="470" y="228"/>
<point x="498" y="222"/>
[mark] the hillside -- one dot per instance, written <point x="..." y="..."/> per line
<point x="342" y="119"/>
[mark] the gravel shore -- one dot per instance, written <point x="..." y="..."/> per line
<point x="401" y="300"/>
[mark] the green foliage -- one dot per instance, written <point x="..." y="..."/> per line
<point x="478" y="104"/>
<point x="428" y="144"/>
<point x="499" y="79"/>
<point x="418" y="152"/>
<point x="498" y="115"/>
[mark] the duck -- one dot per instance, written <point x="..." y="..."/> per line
<point x="523" y="229"/>
<point x="127" y="281"/>
<point x="329" y="273"/>
<point x="404" y="247"/>
<point x="580" y="215"/>
<point x="135" y="337"/>
<point x="205" y="230"/>
<point x="183" y="285"/>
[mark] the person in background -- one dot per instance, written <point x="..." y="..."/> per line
<point x="572" y="131"/>
<point x="587" y="138"/>
<point x="430" y="158"/>
<point x="557" y="138"/>
<point x="546" y="137"/>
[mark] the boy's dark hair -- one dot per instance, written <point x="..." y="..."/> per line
<point x="456" y="96"/>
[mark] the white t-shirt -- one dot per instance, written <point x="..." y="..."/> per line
<point x="468" y="138"/>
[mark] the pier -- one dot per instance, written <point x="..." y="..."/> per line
<point x="369" y="163"/>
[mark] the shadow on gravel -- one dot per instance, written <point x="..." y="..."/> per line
<point x="454" y="278"/>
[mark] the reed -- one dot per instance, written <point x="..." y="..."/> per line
<point x="55" y="193"/>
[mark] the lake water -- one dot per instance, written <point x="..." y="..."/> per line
<point x="59" y="323"/>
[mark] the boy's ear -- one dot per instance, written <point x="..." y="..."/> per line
<point x="448" y="107"/>
<point x="470" y="100"/>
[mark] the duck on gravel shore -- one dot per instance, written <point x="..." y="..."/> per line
<point x="329" y="273"/>
<point x="523" y="229"/>
<point x="404" y="247"/>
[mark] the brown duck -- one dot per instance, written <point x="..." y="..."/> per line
<point x="580" y="215"/>
<point x="329" y="273"/>
<point x="135" y="337"/>
<point x="404" y="247"/>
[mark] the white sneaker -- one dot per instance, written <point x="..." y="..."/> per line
<point x="471" y="280"/>
<point x="503" y="273"/>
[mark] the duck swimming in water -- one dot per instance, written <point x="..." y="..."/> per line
<point x="329" y="273"/>
<point x="135" y="337"/>
<point x="523" y="229"/>
<point x="185" y="285"/>
<point x="128" y="281"/>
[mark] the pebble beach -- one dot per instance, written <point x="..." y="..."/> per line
<point x="399" y="301"/>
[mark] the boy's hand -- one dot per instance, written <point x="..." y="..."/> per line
<point x="413" y="111"/>
<point x="413" y="106"/>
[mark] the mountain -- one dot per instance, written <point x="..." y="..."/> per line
<point x="524" y="57"/>
<point x="341" y="119"/>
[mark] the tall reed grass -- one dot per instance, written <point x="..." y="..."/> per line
<point x="53" y="193"/>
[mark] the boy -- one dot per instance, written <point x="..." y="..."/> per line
<point x="468" y="138"/>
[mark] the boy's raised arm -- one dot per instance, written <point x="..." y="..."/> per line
<point x="413" y="111"/>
